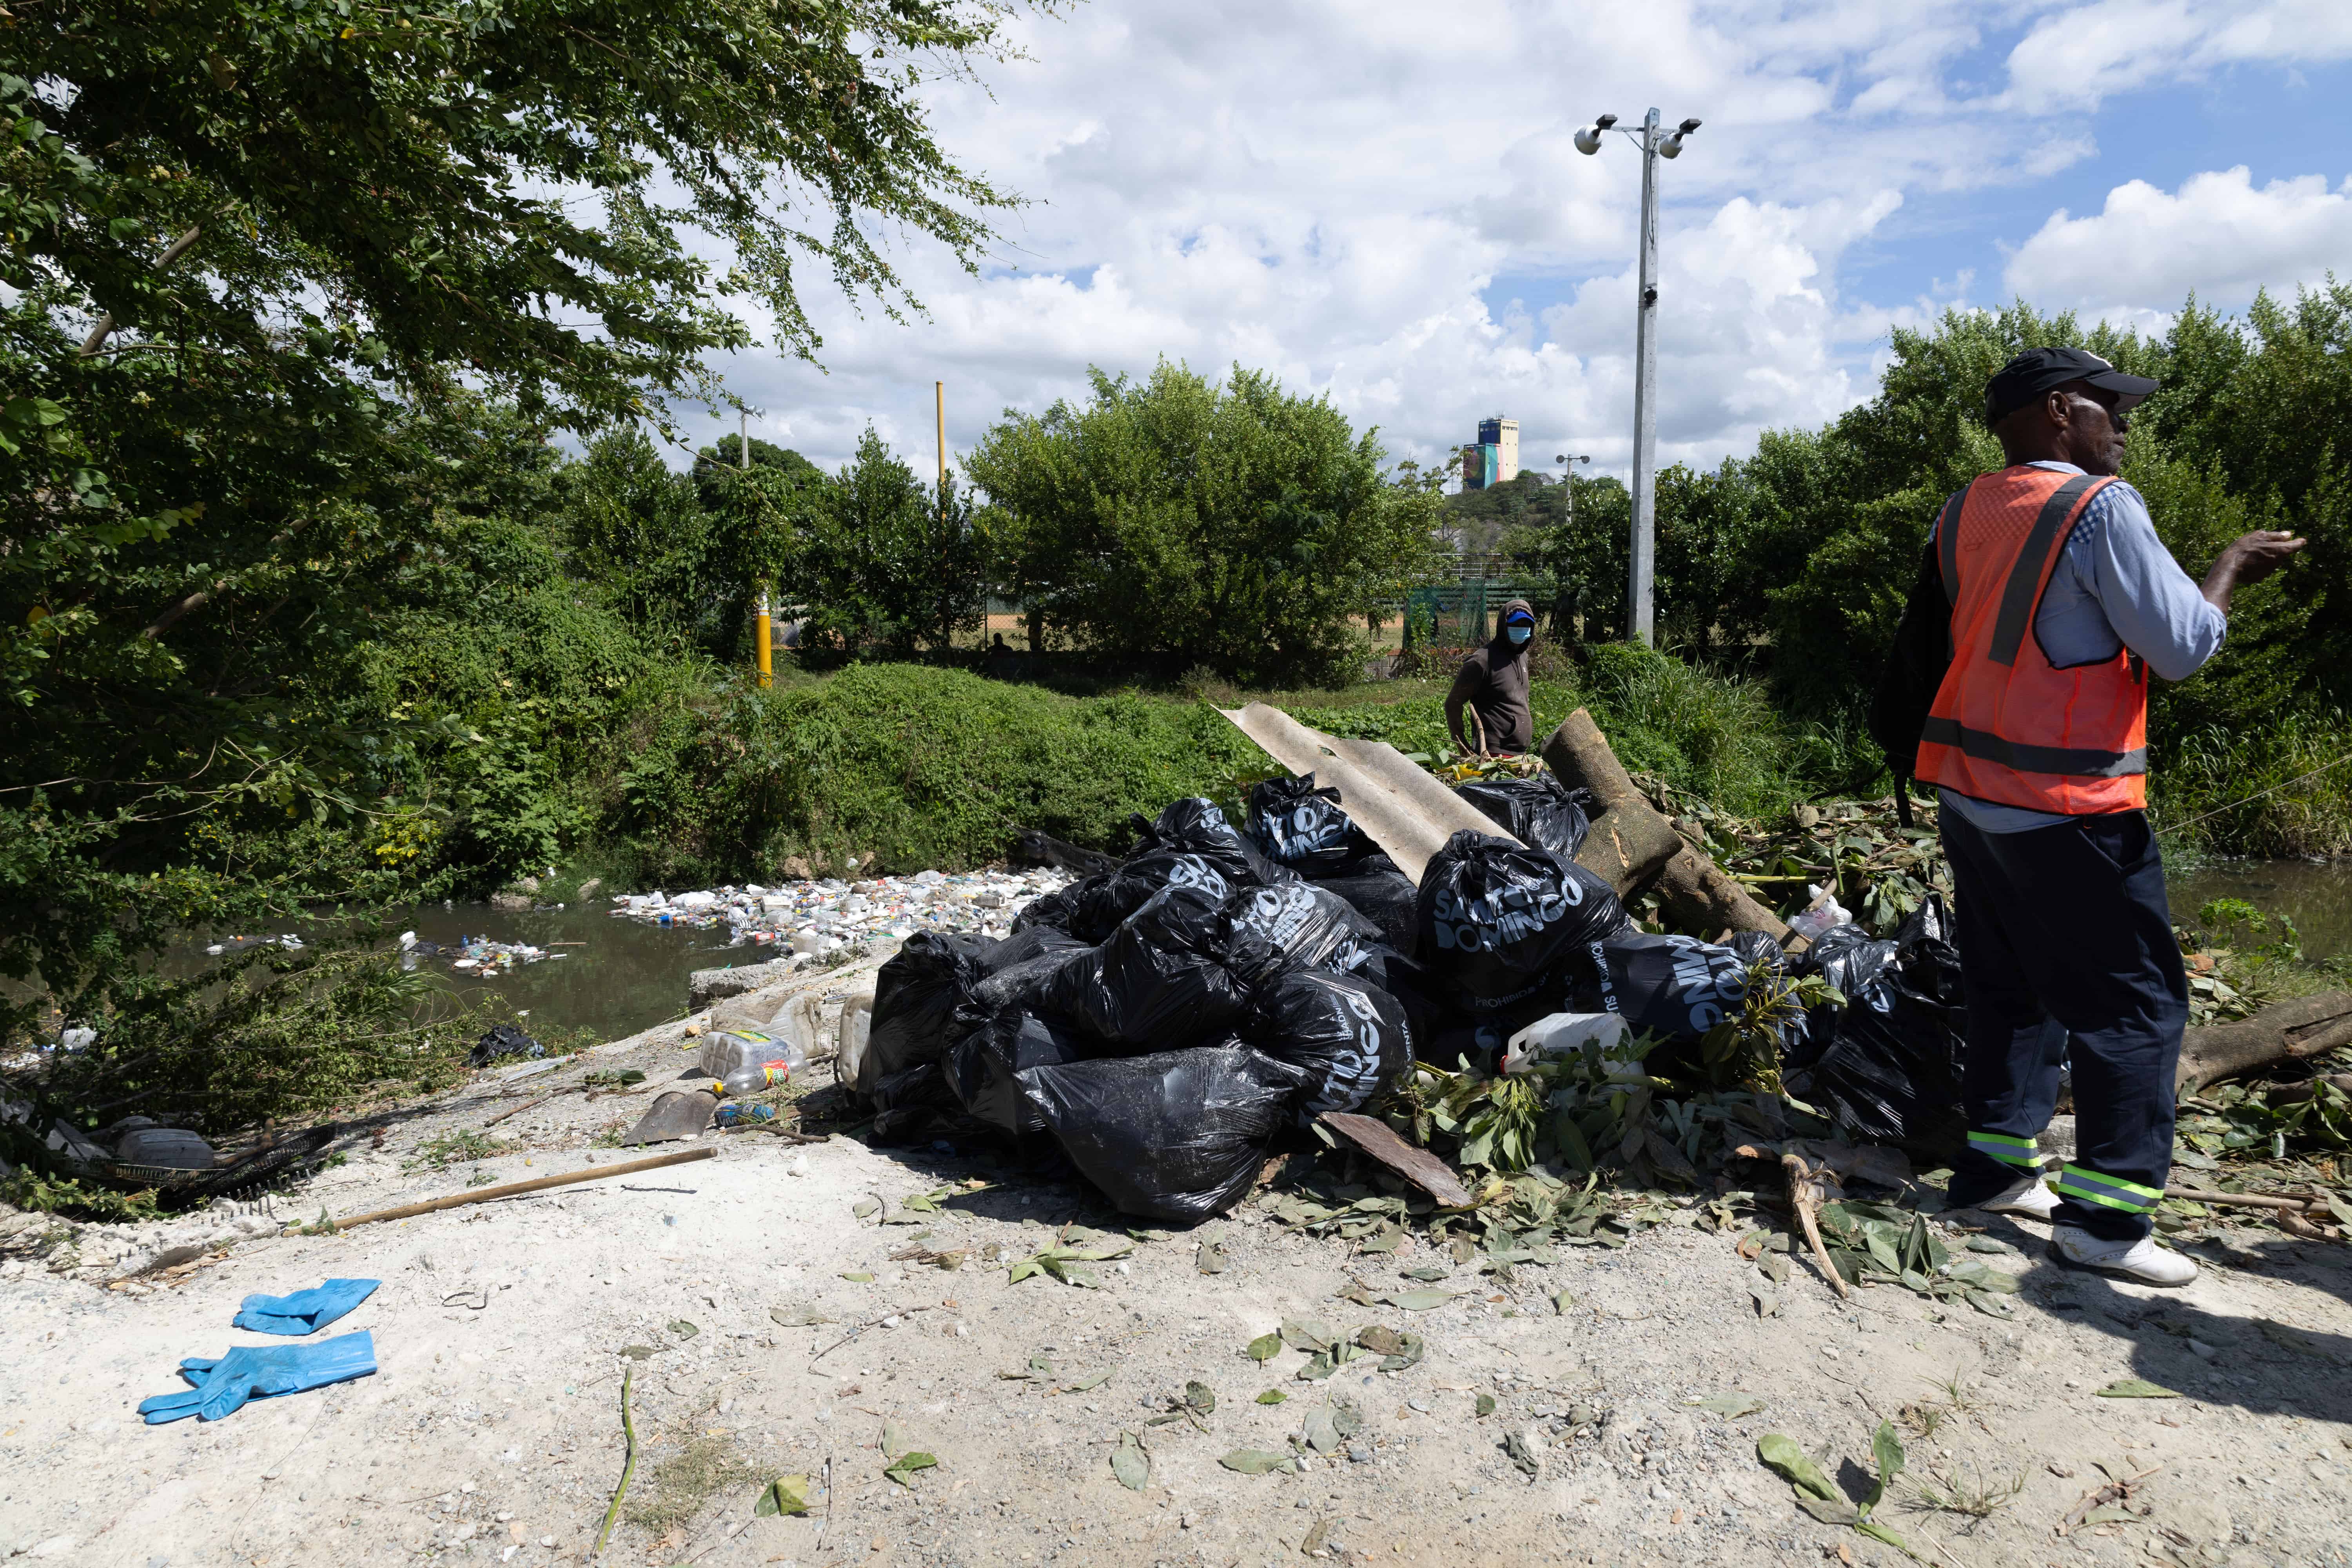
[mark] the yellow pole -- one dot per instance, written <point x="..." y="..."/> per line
<point x="760" y="636"/>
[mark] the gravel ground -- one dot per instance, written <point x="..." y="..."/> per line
<point x="491" y="1431"/>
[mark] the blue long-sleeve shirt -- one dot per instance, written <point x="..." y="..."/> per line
<point x="2115" y="586"/>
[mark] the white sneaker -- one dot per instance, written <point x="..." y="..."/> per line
<point x="2142" y="1260"/>
<point x="2029" y="1197"/>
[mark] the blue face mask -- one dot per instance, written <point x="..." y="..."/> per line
<point x="1520" y="634"/>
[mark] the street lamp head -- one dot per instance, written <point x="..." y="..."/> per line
<point x="1587" y="139"/>
<point x="1686" y="127"/>
<point x="1672" y="147"/>
<point x="1605" y="123"/>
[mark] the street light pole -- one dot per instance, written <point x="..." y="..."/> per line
<point x="1641" y="612"/>
<point x="1560" y="615"/>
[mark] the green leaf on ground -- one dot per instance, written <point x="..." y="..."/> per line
<point x="1485" y="1405"/>
<point x="905" y="1465"/>
<point x="2138" y="1388"/>
<point x="1266" y="1347"/>
<point x="1728" y="1406"/>
<point x="1256" y="1461"/>
<point x="1795" y="1467"/>
<point x="1417" y="1301"/>
<point x="1272" y="1396"/>
<point x="1129" y="1463"/>
<point x="784" y="1495"/>
<point x="1307" y="1333"/>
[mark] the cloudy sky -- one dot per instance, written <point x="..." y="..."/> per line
<point x="1380" y="201"/>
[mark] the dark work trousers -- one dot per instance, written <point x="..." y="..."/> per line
<point x="2068" y="925"/>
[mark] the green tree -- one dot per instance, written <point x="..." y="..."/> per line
<point x="293" y="290"/>
<point x="1171" y="521"/>
<point x="890" y="563"/>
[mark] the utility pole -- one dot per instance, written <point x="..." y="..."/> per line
<point x="940" y="406"/>
<point x="1562" y="616"/>
<point x="763" y="648"/>
<point x="1641" y="612"/>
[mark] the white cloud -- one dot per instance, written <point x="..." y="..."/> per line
<point x="2085" y="54"/>
<point x="1333" y="193"/>
<point x="2218" y="234"/>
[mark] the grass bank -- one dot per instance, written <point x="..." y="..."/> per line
<point x="901" y="767"/>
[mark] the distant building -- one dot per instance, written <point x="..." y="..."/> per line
<point x="1496" y="459"/>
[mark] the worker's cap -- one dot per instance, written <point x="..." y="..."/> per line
<point x="1519" y="617"/>
<point x="2037" y="370"/>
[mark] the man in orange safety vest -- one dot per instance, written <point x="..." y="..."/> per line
<point x="2045" y="600"/>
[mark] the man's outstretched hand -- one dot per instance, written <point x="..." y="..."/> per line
<point x="2247" y="559"/>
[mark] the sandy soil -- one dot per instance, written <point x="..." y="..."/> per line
<point x="491" y="1431"/>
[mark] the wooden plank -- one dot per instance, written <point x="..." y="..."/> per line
<point x="1419" y="1166"/>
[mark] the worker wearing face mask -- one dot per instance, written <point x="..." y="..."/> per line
<point x="1493" y="685"/>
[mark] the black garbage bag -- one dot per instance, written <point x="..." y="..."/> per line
<point x="1191" y="845"/>
<point x="1677" y="988"/>
<point x="1349" y="1036"/>
<point x="1013" y="971"/>
<point x="502" y="1041"/>
<point x="1174" y="971"/>
<point x="1498" y="921"/>
<point x="1296" y="825"/>
<point x="984" y="1067"/>
<point x="1311" y="925"/>
<point x="1848" y="957"/>
<point x="1541" y="812"/>
<point x="1194" y="826"/>
<point x="915" y="998"/>
<point x="1754" y="945"/>
<point x="1890" y="1070"/>
<point x="1387" y="899"/>
<point x="1176" y="1135"/>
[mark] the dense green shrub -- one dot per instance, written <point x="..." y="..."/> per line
<point x="1178" y="524"/>
<point x="921" y="767"/>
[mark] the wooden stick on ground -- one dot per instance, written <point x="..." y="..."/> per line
<point x="2248" y="1201"/>
<point x="515" y="1189"/>
<point x="519" y="1109"/>
<point x="1800" y="1198"/>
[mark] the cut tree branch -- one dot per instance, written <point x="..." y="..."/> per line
<point x="105" y="328"/>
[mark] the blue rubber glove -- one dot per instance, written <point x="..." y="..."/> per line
<point x="305" y="1311"/>
<point x="222" y="1384"/>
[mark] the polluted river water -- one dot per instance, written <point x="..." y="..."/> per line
<point x="616" y="966"/>
<point x="617" y="975"/>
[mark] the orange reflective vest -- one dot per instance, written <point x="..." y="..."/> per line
<point x="2007" y="725"/>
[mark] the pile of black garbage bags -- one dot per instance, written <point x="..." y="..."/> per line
<point x="1165" y="1022"/>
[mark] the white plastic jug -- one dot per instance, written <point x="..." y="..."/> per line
<point x="1563" y="1034"/>
<point x="856" y="1022"/>
<point x="801" y="1021"/>
<point x="747" y="1061"/>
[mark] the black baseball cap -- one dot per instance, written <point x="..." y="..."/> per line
<point x="2036" y="371"/>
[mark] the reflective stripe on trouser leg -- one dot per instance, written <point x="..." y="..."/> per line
<point x="2009" y="1151"/>
<point x="2107" y="1192"/>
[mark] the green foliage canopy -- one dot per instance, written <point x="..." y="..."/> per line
<point x="1236" y="527"/>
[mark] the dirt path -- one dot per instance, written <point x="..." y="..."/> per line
<point x="491" y="1431"/>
